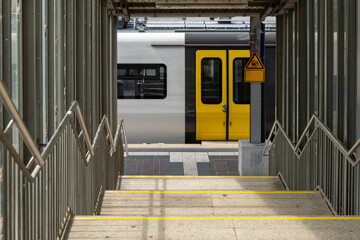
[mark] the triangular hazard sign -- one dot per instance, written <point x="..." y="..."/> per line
<point x="254" y="63"/>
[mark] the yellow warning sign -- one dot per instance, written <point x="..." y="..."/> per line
<point x="254" y="70"/>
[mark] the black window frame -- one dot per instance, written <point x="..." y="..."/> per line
<point x="201" y="80"/>
<point x="244" y="61"/>
<point x="142" y="67"/>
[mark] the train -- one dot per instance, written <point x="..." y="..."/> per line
<point x="188" y="87"/>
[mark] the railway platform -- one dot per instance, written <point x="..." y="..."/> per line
<point x="208" y="158"/>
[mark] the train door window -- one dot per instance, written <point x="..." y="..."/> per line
<point x="141" y="81"/>
<point x="241" y="90"/>
<point x="211" y="85"/>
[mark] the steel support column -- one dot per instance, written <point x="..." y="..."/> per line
<point x="255" y="100"/>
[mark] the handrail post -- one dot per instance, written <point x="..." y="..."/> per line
<point x="305" y="131"/>
<point x="110" y="135"/>
<point x="126" y="152"/>
<point x="268" y="139"/>
<point x="83" y="126"/>
<point x="352" y="150"/>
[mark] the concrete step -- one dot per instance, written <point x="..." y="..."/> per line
<point x="211" y="183"/>
<point x="180" y="207"/>
<point x="213" y="203"/>
<point x="99" y="227"/>
<point x="215" y="147"/>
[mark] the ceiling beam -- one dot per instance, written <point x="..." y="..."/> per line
<point x="208" y="8"/>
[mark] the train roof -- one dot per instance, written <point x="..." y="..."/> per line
<point x="202" y="31"/>
<point x="238" y="24"/>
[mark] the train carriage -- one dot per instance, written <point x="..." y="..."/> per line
<point x="185" y="87"/>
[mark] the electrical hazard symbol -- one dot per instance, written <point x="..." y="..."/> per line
<point x="254" y="70"/>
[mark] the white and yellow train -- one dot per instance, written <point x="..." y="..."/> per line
<point x="185" y="87"/>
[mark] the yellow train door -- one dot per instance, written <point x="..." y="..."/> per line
<point x="239" y="96"/>
<point x="222" y="97"/>
<point x="211" y="74"/>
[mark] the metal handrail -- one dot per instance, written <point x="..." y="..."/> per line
<point x="62" y="184"/>
<point x="38" y="158"/>
<point x="296" y="148"/>
<point x="22" y="128"/>
<point x="123" y="133"/>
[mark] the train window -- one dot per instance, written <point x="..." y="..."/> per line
<point x="141" y="81"/>
<point x="241" y="90"/>
<point x="211" y="84"/>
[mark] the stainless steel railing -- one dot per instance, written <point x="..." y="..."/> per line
<point x="317" y="161"/>
<point x="39" y="195"/>
<point x="124" y="138"/>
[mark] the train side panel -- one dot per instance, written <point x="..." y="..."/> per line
<point x="155" y="120"/>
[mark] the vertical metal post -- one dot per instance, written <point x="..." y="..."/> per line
<point x="70" y="56"/>
<point x="113" y="78"/>
<point x="358" y="79"/>
<point x="6" y="72"/>
<point x="80" y="57"/>
<point x="321" y="58"/>
<point x="255" y="100"/>
<point x="88" y="70"/>
<point x="94" y="61"/>
<point x="341" y="80"/>
<point x="289" y="76"/>
<point x="50" y="69"/>
<point x="284" y="71"/>
<point x="279" y="70"/>
<point x="59" y="61"/>
<point x="351" y="59"/>
<point x="309" y="60"/>
<point x="2" y="153"/>
<point x="30" y="66"/>
<point x="44" y="70"/>
<point x="296" y="70"/>
<point x="302" y="66"/>
<point x="104" y="58"/>
<point x="329" y="66"/>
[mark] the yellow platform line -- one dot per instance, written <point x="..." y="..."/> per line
<point x="130" y="176"/>
<point x="244" y="192"/>
<point x="215" y="218"/>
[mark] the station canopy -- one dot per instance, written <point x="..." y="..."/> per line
<point x="201" y="8"/>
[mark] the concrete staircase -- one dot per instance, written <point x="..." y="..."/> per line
<point x="169" y="207"/>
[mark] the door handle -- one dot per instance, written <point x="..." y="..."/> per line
<point x="224" y="108"/>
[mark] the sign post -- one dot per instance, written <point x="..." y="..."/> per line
<point x="256" y="88"/>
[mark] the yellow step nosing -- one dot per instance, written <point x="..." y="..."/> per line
<point x="199" y="177"/>
<point x="223" y="192"/>
<point x="214" y="218"/>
